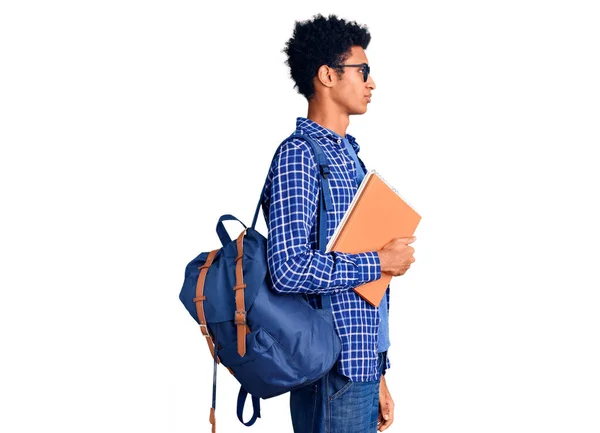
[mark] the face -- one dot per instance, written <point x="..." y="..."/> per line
<point x="352" y="93"/>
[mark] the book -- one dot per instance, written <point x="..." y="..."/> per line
<point x="376" y="216"/>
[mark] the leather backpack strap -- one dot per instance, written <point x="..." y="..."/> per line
<point x="200" y="298"/>
<point x="240" y="308"/>
<point x="213" y="420"/>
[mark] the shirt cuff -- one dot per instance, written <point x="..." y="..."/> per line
<point x="368" y="266"/>
<point x="358" y="269"/>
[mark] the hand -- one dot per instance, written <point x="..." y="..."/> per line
<point x="397" y="256"/>
<point x="386" y="407"/>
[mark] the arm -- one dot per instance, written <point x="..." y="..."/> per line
<point x="293" y="265"/>
<point x="386" y="407"/>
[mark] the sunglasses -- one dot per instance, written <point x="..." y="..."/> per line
<point x="366" y="69"/>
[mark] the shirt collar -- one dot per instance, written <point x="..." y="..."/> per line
<point x="313" y="129"/>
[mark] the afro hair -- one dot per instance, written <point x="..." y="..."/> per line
<point x="321" y="41"/>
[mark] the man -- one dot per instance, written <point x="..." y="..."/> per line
<point x="330" y="68"/>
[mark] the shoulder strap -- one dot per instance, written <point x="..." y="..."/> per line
<point x="325" y="204"/>
<point x="323" y="175"/>
<point x="325" y="201"/>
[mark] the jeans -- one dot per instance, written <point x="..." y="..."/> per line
<point x="334" y="404"/>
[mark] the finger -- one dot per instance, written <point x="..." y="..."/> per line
<point x="381" y="405"/>
<point x="405" y="240"/>
<point x="385" y="425"/>
<point x="390" y="419"/>
<point x="387" y="412"/>
<point x="386" y="417"/>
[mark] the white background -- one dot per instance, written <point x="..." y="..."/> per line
<point x="129" y="127"/>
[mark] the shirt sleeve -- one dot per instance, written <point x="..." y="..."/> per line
<point x="293" y="265"/>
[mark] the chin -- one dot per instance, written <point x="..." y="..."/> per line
<point x="359" y="110"/>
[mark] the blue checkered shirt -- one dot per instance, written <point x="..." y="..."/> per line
<point x="290" y="206"/>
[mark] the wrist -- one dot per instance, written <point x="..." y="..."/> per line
<point x="383" y="263"/>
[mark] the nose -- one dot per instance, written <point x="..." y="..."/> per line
<point x="371" y="82"/>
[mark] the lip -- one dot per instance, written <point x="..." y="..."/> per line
<point x="368" y="97"/>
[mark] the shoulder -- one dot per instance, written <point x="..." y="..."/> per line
<point x="293" y="164"/>
<point x="295" y="150"/>
<point x="296" y="145"/>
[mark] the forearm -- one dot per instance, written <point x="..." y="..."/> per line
<point x="315" y="272"/>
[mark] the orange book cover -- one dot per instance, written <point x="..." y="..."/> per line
<point x="376" y="215"/>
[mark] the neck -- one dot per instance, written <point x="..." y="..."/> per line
<point x="328" y="115"/>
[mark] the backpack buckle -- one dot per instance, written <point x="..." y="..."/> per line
<point x="240" y="317"/>
<point x="324" y="171"/>
<point x="204" y="330"/>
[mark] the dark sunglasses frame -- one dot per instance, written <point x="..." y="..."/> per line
<point x="365" y="66"/>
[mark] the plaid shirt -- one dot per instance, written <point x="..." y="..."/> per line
<point x="290" y="205"/>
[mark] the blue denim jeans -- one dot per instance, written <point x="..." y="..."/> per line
<point x="334" y="404"/>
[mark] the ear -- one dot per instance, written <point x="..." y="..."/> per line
<point x="326" y="75"/>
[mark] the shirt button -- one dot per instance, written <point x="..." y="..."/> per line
<point x="339" y="141"/>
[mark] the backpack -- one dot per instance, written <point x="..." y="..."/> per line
<point x="272" y="343"/>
